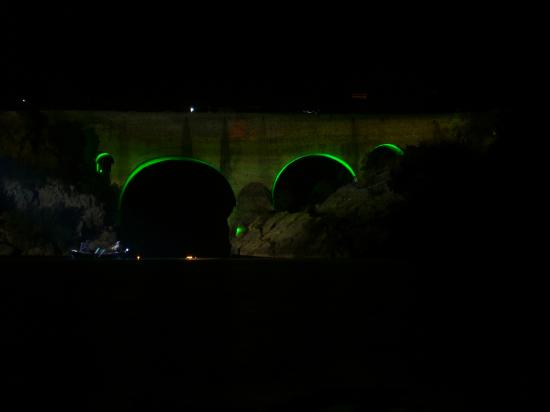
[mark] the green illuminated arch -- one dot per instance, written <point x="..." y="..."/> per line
<point x="139" y="168"/>
<point x="396" y="149"/>
<point x="342" y="162"/>
<point x="98" y="159"/>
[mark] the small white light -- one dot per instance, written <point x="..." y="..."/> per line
<point x="24" y="100"/>
<point x="191" y="109"/>
<point x="189" y="257"/>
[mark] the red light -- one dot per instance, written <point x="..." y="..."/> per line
<point x="359" y="96"/>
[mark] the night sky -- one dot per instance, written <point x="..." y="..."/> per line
<point x="274" y="61"/>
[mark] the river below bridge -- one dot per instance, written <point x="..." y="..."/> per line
<point x="259" y="335"/>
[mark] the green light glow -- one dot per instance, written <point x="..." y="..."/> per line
<point x="240" y="230"/>
<point x="152" y="162"/>
<point x="98" y="158"/>
<point x="342" y="162"/>
<point x="396" y="149"/>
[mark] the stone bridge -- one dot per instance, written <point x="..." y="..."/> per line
<point x="250" y="147"/>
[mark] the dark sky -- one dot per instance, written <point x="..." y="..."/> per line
<point x="168" y="60"/>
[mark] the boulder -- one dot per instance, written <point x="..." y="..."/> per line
<point x="352" y="222"/>
<point x="285" y="234"/>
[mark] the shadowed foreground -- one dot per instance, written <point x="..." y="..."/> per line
<point x="264" y="335"/>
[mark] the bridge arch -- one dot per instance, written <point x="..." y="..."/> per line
<point x="382" y="156"/>
<point x="176" y="206"/>
<point x="391" y="147"/>
<point x="309" y="179"/>
<point x="103" y="163"/>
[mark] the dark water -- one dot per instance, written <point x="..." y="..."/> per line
<point x="264" y="335"/>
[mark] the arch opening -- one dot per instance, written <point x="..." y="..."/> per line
<point x="176" y="207"/>
<point x="308" y="180"/>
<point x="383" y="155"/>
<point x="103" y="163"/>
